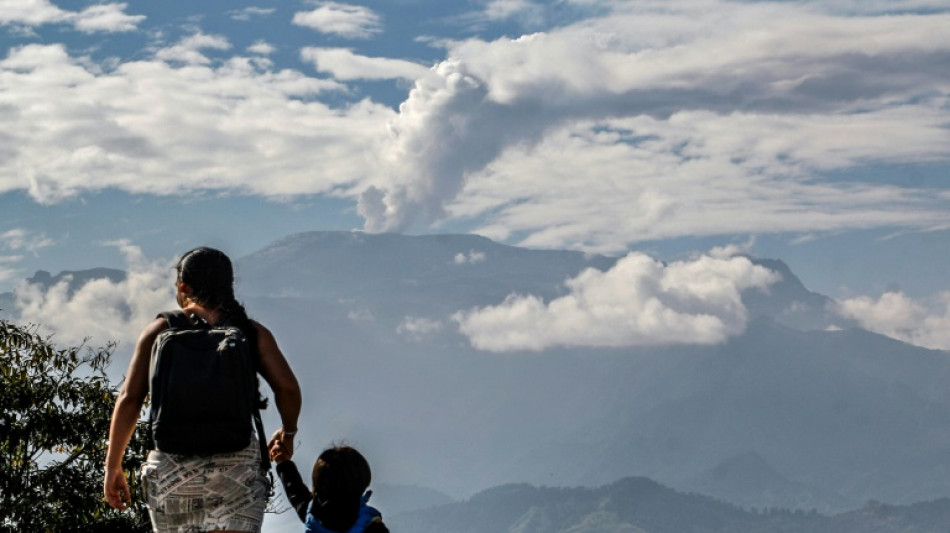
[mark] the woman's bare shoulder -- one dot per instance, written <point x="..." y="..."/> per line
<point x="152" y="330"/>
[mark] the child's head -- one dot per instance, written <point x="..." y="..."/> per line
<point x="341" y="475"/>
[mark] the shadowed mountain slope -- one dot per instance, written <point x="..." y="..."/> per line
<point x="638" y="505"/>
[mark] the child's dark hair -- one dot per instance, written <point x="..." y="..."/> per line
<point x="340" y="477"/>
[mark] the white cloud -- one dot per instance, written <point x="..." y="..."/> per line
<point x="506" y="9"/>
<point x="20" y="239"/>
<point x="924" y="323"/>
<point x="640" y="301"/>
<point x="343" y="64"/>
<point x="361" y="315"/>
<point x="107" y="18"/>
<point x="7" y="274"/>
<point x="418" y="328"/>
<point x="188" y="50"/>
<point x="95" y="18"/>
<point x="597" y="186"/>
<point x="262" y="48"/>
<point x="527" y="13"/>
<point x="657" y="119"/>
<point x="15" y="242"/>
<point x="470" y="258"/>
<point x="733" y="249"/>
<point x="101" y="310"/>
<point x="250" y="12"/>
<point x="157" y="127"/>
<point x="679" y="116"/>
<point x="30" y="12"/>
<point x="344" y="20"/>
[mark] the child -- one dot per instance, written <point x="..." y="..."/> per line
<point x="338" y="504"/>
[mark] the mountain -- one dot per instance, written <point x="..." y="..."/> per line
<point x="639" y="505"/>
<point x="452" y="272"/>
<point x="834" y="417"/>
<point x="749" y="480"/>
<point x="790" y="303"/>
<point x="789" y="413"/>
<point x="409" y="273"/>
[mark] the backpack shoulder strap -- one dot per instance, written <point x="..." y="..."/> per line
<point x="262" y="442"/>
<point x="176" y="319"/>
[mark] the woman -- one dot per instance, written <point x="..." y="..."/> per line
<point x="222" y="493"/>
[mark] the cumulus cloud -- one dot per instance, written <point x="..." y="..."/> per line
<point x="723" y="100"/>
<point x="344" y="64"/>
<point x="109" y="18"/>
<point x="344" y="20"/>
<point x="188" y="50"/>
<point x="470" y="258"/>
<point x="262" y="48"/>
<point x="640" y="301"/>
<point x="176" y="123"/>
<point x="100" y="310"/>
<point x="106" y="18"/>
<point x="418" y="328"/>
<point x="30" y="12"/>
<point x="923" y="323"/>
<point x="733" y="249"/>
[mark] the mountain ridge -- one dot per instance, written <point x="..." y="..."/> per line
<point x="641" y="505"/>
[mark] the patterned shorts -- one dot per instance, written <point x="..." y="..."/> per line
<point x="187" y="494"/>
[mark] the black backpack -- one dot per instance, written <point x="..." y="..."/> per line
<point x="204" y="389"/>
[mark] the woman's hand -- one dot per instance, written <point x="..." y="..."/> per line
<point x="285" y="442"/>
<point x="116" y="489"/>
<point x="278" y="453"/>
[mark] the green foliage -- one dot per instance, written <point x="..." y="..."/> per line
<point x="55" y="408"/>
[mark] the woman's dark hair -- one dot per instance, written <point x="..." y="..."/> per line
<point x="209" y="274"/>
<point x="340" y="477"/>
<point x="211" y="277"/>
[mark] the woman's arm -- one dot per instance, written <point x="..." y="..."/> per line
<point x="128" y="406"/>
<point x="281" y="379"/>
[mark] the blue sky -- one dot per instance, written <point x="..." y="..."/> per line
<point x="815" y="132"/>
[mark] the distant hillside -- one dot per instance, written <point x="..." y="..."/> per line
<point x="638" y="505"/>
